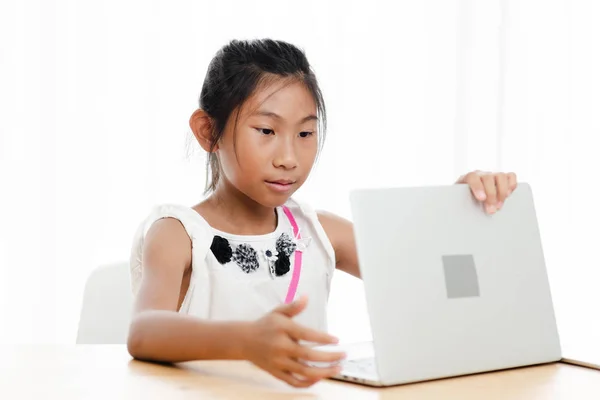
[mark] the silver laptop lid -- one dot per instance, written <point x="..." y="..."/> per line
<point x="451" y="290"/>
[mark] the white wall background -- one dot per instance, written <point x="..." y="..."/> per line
<point x="95" y="99"/>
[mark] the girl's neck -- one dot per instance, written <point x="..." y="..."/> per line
<point x="232" y="211"/>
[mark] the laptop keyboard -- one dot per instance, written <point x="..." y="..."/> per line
<point x="363" y="366"/>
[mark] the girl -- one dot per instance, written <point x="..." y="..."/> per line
<point x="219" y="280"/>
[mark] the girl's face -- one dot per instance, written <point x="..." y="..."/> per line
<point x="274" y="146"/>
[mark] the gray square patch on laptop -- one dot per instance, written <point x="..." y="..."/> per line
<point x="461" y="276"/>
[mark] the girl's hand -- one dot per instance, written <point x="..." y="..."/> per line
<point x="492" y="189"/>
<point x="271" y="343"/>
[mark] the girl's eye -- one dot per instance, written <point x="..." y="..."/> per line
<point x="305" y="134"/>
<point x="265" y="131"/>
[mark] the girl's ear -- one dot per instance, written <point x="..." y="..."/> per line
<point x="202" y="127"/>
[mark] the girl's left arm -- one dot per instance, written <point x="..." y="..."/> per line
<point x="491" y="189"/>
<point x="340" y="232"/>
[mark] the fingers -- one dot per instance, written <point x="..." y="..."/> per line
<point x="299" y="332"/>
<point x="501" y="189"/>
<point x="294" y="308"/>
<point x="512" y="182"/>
<point x="473" y="179"/>
<point x="290" y="364"/>
<point x="308" y="354"/>
<point x="291" y="379"/>
<point x="491" y="202"/>
<point x="493" y="189"/>
<point x="311" y="373"/>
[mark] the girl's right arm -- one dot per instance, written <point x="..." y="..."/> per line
<point x="159" y="333"/>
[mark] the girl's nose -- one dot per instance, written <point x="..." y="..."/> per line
<point x="286" y="156"/>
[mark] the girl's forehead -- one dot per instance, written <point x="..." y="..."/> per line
<point x="283" y="97"/>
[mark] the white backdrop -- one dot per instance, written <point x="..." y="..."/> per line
<point x="95" y="98"/>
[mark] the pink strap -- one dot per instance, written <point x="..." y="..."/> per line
<point x="297" y="258"/>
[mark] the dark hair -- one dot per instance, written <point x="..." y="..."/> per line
<point x="236" y="71"/>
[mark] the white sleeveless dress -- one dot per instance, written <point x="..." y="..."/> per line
<point x="240" y="277"/>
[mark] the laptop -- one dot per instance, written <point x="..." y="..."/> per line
<point x="450" y="290"/>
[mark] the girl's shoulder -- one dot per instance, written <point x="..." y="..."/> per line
<point x="194" y="224"/>
<point x="305" y="214"/>
<point x="319" y="218"/>
<point x="301" y="208"/>
<point x="314" y="219"/>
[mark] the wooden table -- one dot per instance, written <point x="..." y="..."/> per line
<point x="108" y="372"/>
